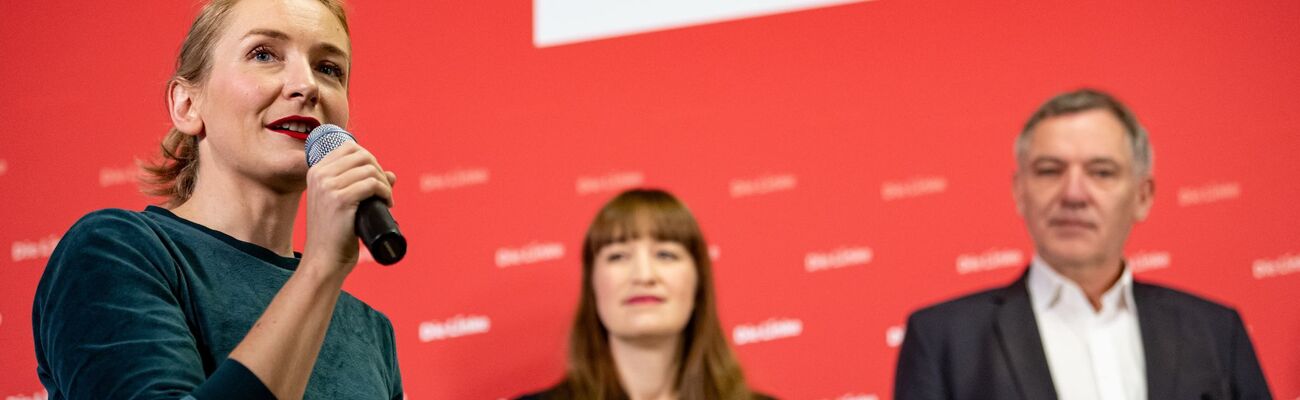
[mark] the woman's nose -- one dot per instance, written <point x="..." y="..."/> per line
<point x="300" y="83"/>
<point x="643" y="269"/>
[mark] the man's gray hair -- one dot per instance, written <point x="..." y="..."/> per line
<point x="1086" y="100"/>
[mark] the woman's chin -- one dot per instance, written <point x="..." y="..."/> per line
<point x="288" y="180"/>
<point x="647" y="333"/>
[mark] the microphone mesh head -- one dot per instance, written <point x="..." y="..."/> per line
<point x="323" y="140"/>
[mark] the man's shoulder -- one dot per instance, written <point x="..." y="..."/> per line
<point x="979" y="305"/>
<point x="1145" y="292"/>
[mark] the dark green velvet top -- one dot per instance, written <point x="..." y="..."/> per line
<point x="149" y="305"/>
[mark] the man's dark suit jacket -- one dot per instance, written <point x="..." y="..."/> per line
<point x="986" y="346"/>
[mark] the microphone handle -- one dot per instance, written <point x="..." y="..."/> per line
<point x="378" y="231"/>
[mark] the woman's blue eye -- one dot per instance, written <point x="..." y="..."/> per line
<point x="331" y="70"/>
<point x="262" y="54"/>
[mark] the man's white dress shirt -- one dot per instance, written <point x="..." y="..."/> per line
<point x="1092" y="354"/>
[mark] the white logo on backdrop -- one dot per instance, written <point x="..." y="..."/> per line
<point x="1188" y="196"/>
<point x="24" y="250"/>
<point x="715" y="252"/>
<point x="41" y="395"/>
<point x="763" y="185"/>
<point x="610" y="182"/>
<point x="1284" y="265"/>
<point x="529" y="254"/>
<point x="454" y="327"/>
<point x="1148" y="260"/>
<point x="989" y="260"/>
<point x="894" y="335"/>
<point x="453" y="179"/>
<point x="857" y="396"/>
<point x="766" y="331"/>
<point x="840" y="258"/>
<point x="4" y="167"/>
<point x="914" y="187"/>
<point x="557" y="22"/>
<point x="117" y="176"/>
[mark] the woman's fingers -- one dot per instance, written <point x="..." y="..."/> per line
<point x="335" y="187"/>
<point x="360" y="183"/>
<point x="347" y="156"/>
<point x="347" y="165"/>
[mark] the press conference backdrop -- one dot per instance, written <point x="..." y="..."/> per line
<point x="849" y="161"/>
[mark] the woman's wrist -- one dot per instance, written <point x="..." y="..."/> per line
<point x="324" y="273"/>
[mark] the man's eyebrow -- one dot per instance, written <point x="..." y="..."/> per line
<point x="1103" y="160"/>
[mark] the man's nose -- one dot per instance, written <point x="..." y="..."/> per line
<point x="1076" y="192"/>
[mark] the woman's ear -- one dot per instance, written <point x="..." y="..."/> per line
<point x="182" y="104"/>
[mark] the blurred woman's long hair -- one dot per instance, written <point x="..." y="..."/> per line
<point x="707" y="367"/>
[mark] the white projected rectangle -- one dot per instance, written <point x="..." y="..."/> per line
<point x="557" y="22"/>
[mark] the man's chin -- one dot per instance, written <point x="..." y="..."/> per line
<point x="1070" y="257"/>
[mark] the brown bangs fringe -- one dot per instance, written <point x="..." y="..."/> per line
<point x="642" y="213"/>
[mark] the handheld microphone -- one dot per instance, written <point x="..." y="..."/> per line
<point x="374" y="223"/>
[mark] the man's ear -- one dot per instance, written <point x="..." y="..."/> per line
<point x="182" y="104"/>
<point x="1146" y="197"/>
<point x="1016" y="189"/>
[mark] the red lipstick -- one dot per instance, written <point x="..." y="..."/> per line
<point x="294" y="126"/>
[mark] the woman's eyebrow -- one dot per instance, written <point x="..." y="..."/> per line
<point x="278" y="35"/>
<point x="274" y="34"/>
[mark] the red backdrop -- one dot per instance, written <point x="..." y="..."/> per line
<point x="849" y="164"/>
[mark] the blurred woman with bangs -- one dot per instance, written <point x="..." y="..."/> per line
<point x="647" y="324"/>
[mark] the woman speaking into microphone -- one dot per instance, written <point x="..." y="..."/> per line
<point x="206" y="297"/>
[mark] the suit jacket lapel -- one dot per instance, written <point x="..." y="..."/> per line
<point x="1017" y="332"/>
<point x="1160" y="332"/>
